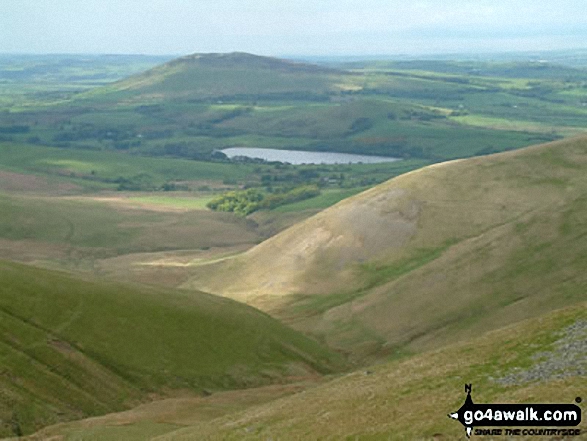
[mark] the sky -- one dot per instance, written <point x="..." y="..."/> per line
<point x="304" y="27"/>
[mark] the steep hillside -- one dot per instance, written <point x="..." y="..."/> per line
<point x="428" y="257"/>
<point x="71" y="348"/>
<point x="204" y="76"/>
<point x="400" y="400"/>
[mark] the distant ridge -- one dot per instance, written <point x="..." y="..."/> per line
<point x="242" y="59"/>
<point x="218" y="75"/>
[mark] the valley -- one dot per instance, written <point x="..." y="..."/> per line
<point x="152" y="287"/>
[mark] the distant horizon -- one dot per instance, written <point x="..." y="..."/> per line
<point x="310" y="56"/>
<point x="301" y="28"/>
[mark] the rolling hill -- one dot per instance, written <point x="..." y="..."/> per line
<point x="429" y="257"/>
<point x="541" y="360"/>
<point x="205" y="76"/>
<point x="71" y="348"/>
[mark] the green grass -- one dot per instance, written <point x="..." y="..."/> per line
<point x="73" y="348"/>
<point x="378" y="273"/>
<point x="134" y="432"/>
<point x="65" y="222"/>
<point x="437" y="138"/>
<point x="191" y="203"/>
<point x="397" y="400"/>
<point x="501" y="123"/>
<point x="374" y="274"/>
<point x="225" y="75"/>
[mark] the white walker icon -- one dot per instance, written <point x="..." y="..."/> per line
<point x="459" y="415"/>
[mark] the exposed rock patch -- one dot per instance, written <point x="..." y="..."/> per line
<point x="568" y="358"/>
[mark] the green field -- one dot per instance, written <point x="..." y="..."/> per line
<point x="190" y="203"/>
<point x="93" y="224"/>
<point x="410" y="399"/>
<point x="101" y="170"/>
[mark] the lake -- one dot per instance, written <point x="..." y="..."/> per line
<point x="300" y="157"/>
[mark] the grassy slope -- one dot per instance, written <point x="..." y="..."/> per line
<point x="410" y="399"/>
<point x="428" y="257"/>
<point x="406" y="399"/>
<point x="71" y="348"/>
<point x="440" y="138"/>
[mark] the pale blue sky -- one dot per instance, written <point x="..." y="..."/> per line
<point x="305" y="27"/>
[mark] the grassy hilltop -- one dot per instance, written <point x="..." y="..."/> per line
<point x="202" y="76"/>
<point x="429" y="256"/>
<point x="72" y="348"/>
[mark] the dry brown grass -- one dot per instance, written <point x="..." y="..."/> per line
<point x="165" y="268"/>
<point x="27" y="183"/>
<point x="184" y="410"/>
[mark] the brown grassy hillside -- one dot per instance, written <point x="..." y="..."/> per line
<point x="428" y="257"/>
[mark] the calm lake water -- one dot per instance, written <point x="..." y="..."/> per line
<point x="301" y="157"/>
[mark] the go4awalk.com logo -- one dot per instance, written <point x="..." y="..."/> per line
<point x="557" y="417"/>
